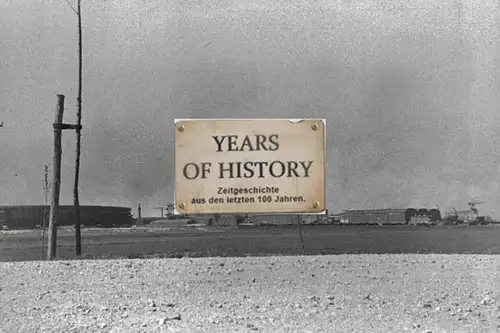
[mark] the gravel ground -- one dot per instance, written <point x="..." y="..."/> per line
<point x="345" y="293"/>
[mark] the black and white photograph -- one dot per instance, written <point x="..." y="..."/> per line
<point x="298" y="166"/>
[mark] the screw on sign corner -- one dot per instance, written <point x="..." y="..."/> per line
<point x="315" y="205"/>
<point x="181" y="128"/>
<point x="314" y="126"/>
<point x="182" y="205"/>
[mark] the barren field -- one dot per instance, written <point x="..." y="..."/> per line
<point x="343" y="293"/>
<point x="151" y="242"/>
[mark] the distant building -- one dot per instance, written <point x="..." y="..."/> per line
<point x="3" y="221"/>
<point x="389" y="216"/>
<point x="287" y="219"/>
<point x="420" y="219"/>
<point x="462" y="215"/>
<point x="225" y="220"/>
<point x="170" y="209"/>
<point x="374" y="216"/>
<point x="31" y="217"/>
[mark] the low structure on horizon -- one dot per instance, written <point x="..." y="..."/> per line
<point x="390" y="216"/>
<point x="31" y="217"/>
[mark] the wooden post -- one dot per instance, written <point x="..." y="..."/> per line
<point x="76" y="199"/>
<point x="139" y="221"/>
<point x="161" y="210"/>
<point x="46" y="187"/>
<point x="56" y="179"/>
<point x="299" y="218"/>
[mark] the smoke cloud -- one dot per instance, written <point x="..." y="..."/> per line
<point x="409" y="93"/>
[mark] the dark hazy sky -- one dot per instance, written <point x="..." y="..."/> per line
<point x="409" y="92"/>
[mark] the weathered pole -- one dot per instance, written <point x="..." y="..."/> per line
<point x="76" y="199"/>
<point x="161" y="210"/>
<point x="299" y="218"/>
<point x="46" y="187"/>
<point x="56" y="179"/>
<point x="139" y="219"/>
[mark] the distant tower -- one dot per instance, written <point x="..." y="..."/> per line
<point x="139" y="219"/>
<point x="473" y="208"/>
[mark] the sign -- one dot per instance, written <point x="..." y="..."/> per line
<point x="228" y="166"/>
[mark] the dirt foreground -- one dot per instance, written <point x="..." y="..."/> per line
<point x="347" y="293"/>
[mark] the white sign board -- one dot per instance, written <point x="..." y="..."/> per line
<point x="228" y="166"/>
